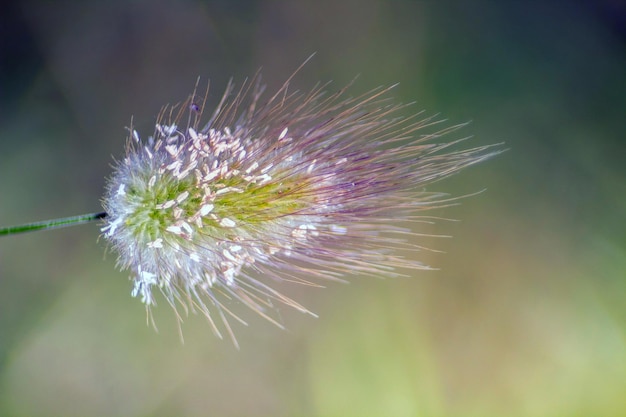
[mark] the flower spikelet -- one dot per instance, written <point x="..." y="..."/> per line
<point x="291" y="186"/>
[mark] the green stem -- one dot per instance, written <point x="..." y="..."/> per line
<point x="52" y="224"/>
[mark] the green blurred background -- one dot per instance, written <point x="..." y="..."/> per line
<point x="526" y="315"/>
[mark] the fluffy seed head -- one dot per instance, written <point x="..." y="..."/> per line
<point x="288" y="186"/>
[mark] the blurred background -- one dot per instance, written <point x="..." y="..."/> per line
<point x="526" y="315"/>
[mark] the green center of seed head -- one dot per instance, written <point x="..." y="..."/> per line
<point x="253" y="205"/>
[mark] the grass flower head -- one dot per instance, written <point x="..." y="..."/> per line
<point x="286" y="186"/>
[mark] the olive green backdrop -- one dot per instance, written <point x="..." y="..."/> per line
<point x="526" y="315"/>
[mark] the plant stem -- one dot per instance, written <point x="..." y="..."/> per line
<point x="52" y="224"/>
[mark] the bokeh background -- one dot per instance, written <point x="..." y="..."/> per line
<point x="526" y="315"/>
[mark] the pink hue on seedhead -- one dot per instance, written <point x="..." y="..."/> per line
<point x="303" y="187"/>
